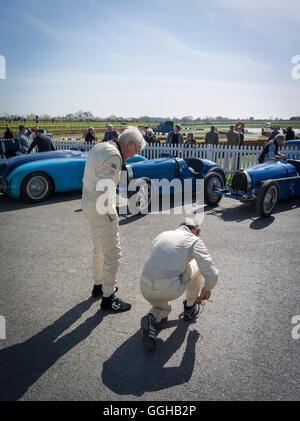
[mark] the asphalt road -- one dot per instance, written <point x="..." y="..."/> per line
<point x="59" y="346"/>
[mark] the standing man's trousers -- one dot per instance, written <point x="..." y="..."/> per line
<point x="107" y="252"/>
<point x="159" y="292"/>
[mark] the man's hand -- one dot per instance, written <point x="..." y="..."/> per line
<point x="204" y="295"/>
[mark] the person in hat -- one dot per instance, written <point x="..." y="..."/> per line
<point x="175" y="138"/>
<point x="178" y="263"/>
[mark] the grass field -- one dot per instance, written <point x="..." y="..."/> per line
<point x="79" y="129"/>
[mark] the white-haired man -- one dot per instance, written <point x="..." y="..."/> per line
<point x="104" y="163"/>
<point x="110" y="134"/>
<point x="178" y="263"/>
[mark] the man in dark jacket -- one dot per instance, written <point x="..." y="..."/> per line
<point x="43" y="142"/>
<point x="8" y="134"/>
<point x="110" y="134"/>
<point x="290" y="134"/>
<point x="90" y="136"/>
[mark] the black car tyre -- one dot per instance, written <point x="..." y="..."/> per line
<point x="267" y="198"/>
<point x="36" y="187"/>
<point x="220" y="172"/>
<point x="212" y="182"/>
<point x="143" y="193"/>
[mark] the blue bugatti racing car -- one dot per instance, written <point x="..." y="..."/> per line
<point x="34" y="177"/>
<point x="265" y="183"/>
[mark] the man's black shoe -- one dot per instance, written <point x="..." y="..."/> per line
<point x="149" y="334"/>
<point x="190" y="313"/>
<point x="98" y="291"/>
<point x="115" y="304"/>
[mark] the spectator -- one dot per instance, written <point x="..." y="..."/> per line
<point x="23" y="138"/>
<point x="104" y="162"/>
<point x="178" y="263"/>
<point x="274" y="133"/>
<point x="43" y="142"/>
<point x="8" y="134"/>
<point x="290" y="134"/>
<point x="110" y="134"/>
<point x="175" y="138"/>
<point x="90" y="136"/>
<point x="191" y="141"/>
<point x="233" y="137"/>
<point x="212" y="137"/>
<point x="28" y="132"/>
<point x="150" y="137"/>
<point x="271" y="149"/>
<point x="242" y="137"/>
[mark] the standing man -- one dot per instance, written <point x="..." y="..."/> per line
<point x="233" y="138"/>
<point x="8" y="134"/>
<point x="178" y="262"/>
<point x="274" y="133"/>
<point x="242" y="136"/>
<point x="110" y="134"/>
<point x="43" y="142"/>
<point x="23" y="138"/>
<point x="175" y="138"/>
<point x="212" y="137"/>
<point x="90" y="136"/>
<point x="104" y="162"/>
<point x="290" y="134"/>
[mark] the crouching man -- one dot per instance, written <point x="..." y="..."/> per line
<point x="178" y="263"/>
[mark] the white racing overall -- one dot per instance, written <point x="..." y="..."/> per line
<point x="104" y="162"/>
<point x="178" y="263"/>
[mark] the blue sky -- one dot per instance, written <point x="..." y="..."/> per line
<point x="150" y="57"/>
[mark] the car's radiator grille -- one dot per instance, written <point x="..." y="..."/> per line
<point x="239" y="183"/>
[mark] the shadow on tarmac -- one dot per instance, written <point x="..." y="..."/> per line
<point x="21" y="365"/>
<point x="133" y="370"/>
<point x="8" y="204"/>
<point x="247" y="211"/>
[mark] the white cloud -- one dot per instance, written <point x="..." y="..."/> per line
<point x="266" y="9"/>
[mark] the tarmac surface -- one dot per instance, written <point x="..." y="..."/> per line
<point x="59" y="346"/>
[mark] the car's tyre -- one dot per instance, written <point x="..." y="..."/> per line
<point x="267" y="198"/>
<point x="142" y="193"/>
<point x="212" y="182"/>
<point x="36" y="187"/>
<point x="220" y="172"/>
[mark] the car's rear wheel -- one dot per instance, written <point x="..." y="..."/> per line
<point x="212" y="183"/>
<point x="142" y="193"/>
<point x="36" y="187"/>
<point x="267" y="198"/>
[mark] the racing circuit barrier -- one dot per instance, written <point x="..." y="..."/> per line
<point x="230" y="158"/>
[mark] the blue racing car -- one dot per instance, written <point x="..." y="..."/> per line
<point x="34" y="177"/>
<point x="265" y="183"/>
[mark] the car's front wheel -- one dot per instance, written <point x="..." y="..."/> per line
<point x="212" y="183"/>
<point x="267" y="198"/>
<point x="140" y="197"/>
<point x="36" y="187"/>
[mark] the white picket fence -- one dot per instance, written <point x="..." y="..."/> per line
<point x="229" y="158"/>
